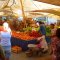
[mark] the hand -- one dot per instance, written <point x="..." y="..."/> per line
<point x="38" y="38"/>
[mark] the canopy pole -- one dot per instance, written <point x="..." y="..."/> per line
<point x="22" y="9"/>
<point x="23" y="14"/>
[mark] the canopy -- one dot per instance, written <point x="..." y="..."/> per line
<point x="29" y="7"/>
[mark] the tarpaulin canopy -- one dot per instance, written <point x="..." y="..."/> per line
<point x="29" y="6"/>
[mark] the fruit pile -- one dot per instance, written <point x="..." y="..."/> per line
<point x="34" y="34"/>
<point x="22" y="35"/>
<point x="26" y="36"/>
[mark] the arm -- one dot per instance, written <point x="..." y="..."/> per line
<point x="41" y="37"/>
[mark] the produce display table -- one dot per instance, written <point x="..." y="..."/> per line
<point x="22" y="43"/>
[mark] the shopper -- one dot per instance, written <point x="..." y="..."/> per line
<point x="42" y="28"/>
<point x="5" y="36"/>
<point x="53" y="29"/>
<point x="56" y="45"/>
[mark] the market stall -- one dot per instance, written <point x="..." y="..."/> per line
<point x="22" y="43"/>
<point x="14" y="9"/>
<point x="22" y="39"/>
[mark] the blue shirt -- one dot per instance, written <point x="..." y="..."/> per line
<point x="42" y="30"/>
<point x="5" y="39"/>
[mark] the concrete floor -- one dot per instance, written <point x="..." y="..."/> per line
<point x="23" y="56"/>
